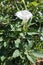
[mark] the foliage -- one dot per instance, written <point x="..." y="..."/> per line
<point x="19" y="44"/>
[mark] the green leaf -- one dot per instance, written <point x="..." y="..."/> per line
<point x="30" y="43"/>
<point x="37" y="54"/>
<point x="12" y="28"/>
<point x="30" y="58"/>
<point x="5" y="44"/>
<point x="22" y="35"/>
<point x="16" y="53"/>
<point x="19" y="29"/>
<point x="35" y="3"/>
<point x="1" y="39"/>
<point x="3" y="58"/>
<point x="17" y="42"/>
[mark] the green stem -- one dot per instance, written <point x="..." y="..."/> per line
<point x="24" y="4"/>
<point x="16" y="5"/>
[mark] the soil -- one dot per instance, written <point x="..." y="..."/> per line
<point x="39" y="61"/>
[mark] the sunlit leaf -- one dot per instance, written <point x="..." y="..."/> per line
<point x="16" y="53"/>
<point x="1" y="39"/>
<point x="30" y="58"/>
<point x="17" y="42"/>
<point x="37" y="54"/>
<point x="3" y="58"/>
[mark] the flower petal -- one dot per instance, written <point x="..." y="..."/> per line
<point x="24" y="15"/>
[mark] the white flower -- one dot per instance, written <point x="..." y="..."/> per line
<point x="24" y="15"/>
<point x="41" y="38"/>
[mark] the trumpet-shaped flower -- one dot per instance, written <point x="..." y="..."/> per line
<point x="24" y="15"/>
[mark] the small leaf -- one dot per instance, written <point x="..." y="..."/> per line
<point x="1" y="39"/>
<point x="2" y="58"/>
<point x="35" y="3"/>
<point x="16" y="53"/>
<point x="19" y="29"/>
<point x="5" y="44"/>
<point x="22" y="35"/>
<point x="17" y="42"/>
<point x="12" y="28"/>
<point x="30" y="43"/>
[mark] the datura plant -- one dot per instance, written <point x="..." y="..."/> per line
<point x="21" y="31"/>
<point x="24" y="15"/>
